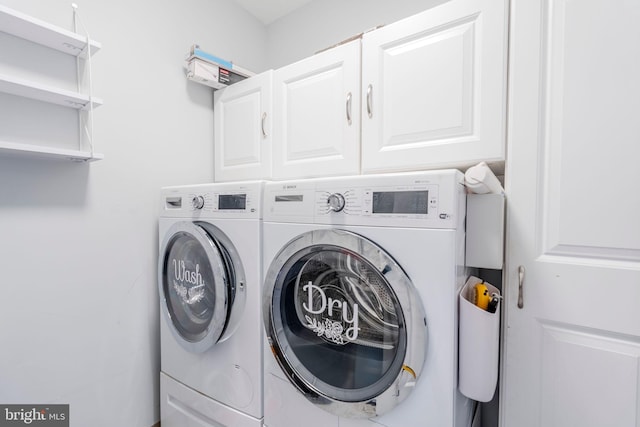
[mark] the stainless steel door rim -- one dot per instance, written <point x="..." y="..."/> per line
<point x="344" y="322"/>
<point x="201" y="284"/>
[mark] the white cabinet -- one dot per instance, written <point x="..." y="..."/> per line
<point x="316" y="123"/>
<point x="425" y="92"/>
<point x="41" y="33"/>
<point x="433" y="88"/>
<point x="242" y="119"/>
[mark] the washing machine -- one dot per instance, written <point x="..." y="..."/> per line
<point x="209" y="279"/>
<point x="360" y="301"/>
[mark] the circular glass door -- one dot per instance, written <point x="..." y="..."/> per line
<point x="341" y="317"/>
<point x="197" y="285"/>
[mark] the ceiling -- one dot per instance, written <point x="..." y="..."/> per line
<point x="268" y="11"/>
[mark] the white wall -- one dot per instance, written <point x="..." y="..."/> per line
<point x="78" y="242"/>
<point x="323" y="23"/>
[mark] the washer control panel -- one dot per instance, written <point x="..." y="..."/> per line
<point x="238" y="200"/>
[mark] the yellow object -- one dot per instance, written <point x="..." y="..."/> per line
<point x="482" y="296"/>
<point x="409" y="370"/>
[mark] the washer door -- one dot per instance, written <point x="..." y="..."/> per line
<point x="344" y="322"/>
<point x="201" y="284"/>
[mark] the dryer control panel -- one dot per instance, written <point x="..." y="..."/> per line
<point x="433" y="199"/>
<point x="417" y="201"/>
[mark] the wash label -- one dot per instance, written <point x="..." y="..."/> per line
<point x="188" y="284"/>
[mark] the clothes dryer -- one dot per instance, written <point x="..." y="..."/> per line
<point x="209" y="279"/>
<point x="360" y="301"/>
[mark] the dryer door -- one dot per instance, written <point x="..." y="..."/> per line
<point x="201" y="284"/>
<point x="344" y="322"/>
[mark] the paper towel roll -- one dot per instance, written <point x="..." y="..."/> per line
<point x="480" y="179"/>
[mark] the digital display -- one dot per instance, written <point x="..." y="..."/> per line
<point x="400" y="202"/>
<point x="232" y="201"/>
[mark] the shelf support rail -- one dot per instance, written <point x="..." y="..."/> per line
<point x="85" y="127"/>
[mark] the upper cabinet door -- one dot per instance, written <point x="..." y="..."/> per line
<point x="242" y="114"/>
<point x="433" y="88"/>
<point x="316" y="128"/>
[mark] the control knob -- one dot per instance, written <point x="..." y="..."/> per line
<point x="336" y="202"/>
<point x="197" y="202"/>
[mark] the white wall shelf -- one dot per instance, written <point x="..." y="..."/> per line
<point x="46" y="152"/>
<point x="43" y="33"/>
<point x="45" y="93"/>
<point x="69" y="42"/>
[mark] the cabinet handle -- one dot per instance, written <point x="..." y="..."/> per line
<point x="370" y="101"/>
<point x="520" y="284"/>
<point x="349" y="108"/>
<point x="264" y="119"/>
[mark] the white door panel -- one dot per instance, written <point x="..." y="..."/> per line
<point x="311" y="100"/>
<point x="317" y="115"/>
<point x="235" y="154"/>
<point x="572" y="351"/>
<point x="590" y="93"/>
<point x="565" y="384"/>
<point x="428" y="100"/>
<point x="242" y="115"/>
<point x="433" y="88"/>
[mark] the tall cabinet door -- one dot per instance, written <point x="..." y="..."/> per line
<point x="317" y="115"/>
<point x="433" y="88"/>
<point x="572" y="306"/>
<point x="242" y="115"/>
